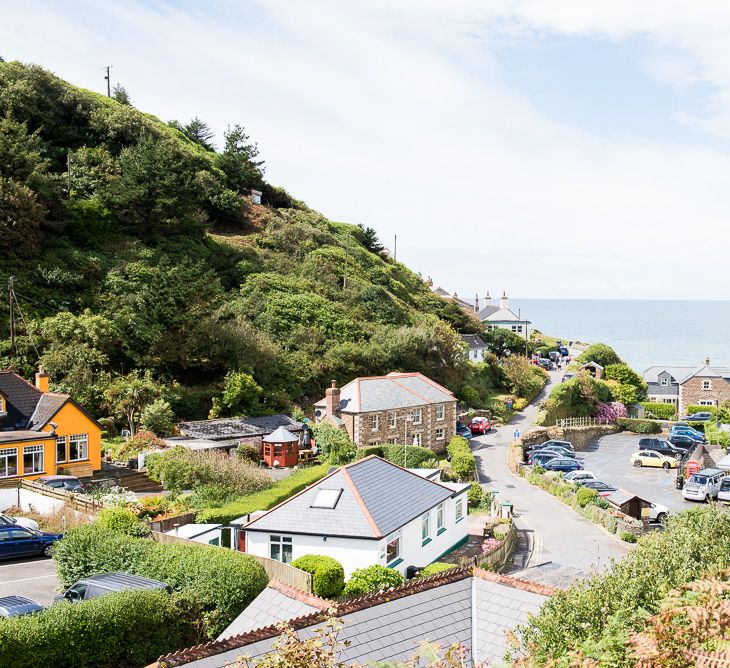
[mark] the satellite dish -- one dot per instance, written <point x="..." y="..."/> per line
<point x="318" y="413"/>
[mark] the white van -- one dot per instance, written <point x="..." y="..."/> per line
<point x="703" y="485"/>
<point x="724" y="493"/>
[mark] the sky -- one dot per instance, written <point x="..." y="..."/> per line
<point x="566" y="149"/>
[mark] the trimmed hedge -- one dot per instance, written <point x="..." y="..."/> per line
<point x="659" y="411"/>
<point x="696" y="408"/>
<point x="222" y="581"/>
<point x="463" y="463"/>
<point x="123" y="521"/>
<point x="372" y="579"/>
<point x="368" y="450"/>
<point x="435" y="567"/>
<point x="123" y="630"/>
<point x="416" y="456"/>
<point x="328" y="576"/>
<point x="639" y="426"/>
<point x="265" y="499"/>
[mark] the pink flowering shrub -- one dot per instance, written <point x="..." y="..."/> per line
<point x="610" y="412"/>
<point x="490" y="544"/>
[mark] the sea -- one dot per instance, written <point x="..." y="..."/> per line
<point x="643" y="333"/>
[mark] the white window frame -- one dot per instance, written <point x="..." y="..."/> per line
<point x="440" y="434"/>
<point x="82" y="442"/>
<point x="5" y="455"/>
<point x="391" y="420"/>
<point x="38" y="461"/>
<point x="417" y="415"/>
<point x="396" y="538"/>
<point x="426" y="528"/>
<point x="374" y="422"/>
<point x="440" y="513"/>
<point x="61" y="440"/>
<point x="418" y="439"/>
<point x="706" y="385"/>
<point x="440" y="412"/>
<point x="706" y="402"/>
<point x="664" y="381"/>
<point x="279" y="541"/>
<point x="459" y="509"/>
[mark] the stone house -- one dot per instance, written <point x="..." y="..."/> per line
<point x="683" y="386"/>
<point x="400" y="408"/>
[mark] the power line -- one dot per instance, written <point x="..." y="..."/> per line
<point x="22" y="317"/>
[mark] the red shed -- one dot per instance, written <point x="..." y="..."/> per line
<point x="281" y="448"/>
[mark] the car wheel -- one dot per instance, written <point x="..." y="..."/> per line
<point x="661" y="518"/>
<point x="708" y="498"/>
<point x="47" y="550"/>
<point x="637" y="462"/>
<point x="665" y="465"/>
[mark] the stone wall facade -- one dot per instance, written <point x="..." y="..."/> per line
<point x="382" y="427"/>
<point x="694" y="391"/>
<point x="580" y="437"/>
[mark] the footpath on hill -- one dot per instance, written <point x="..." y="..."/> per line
<point x="556" y="545"/>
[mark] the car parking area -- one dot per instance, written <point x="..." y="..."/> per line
<point x="35" y="578"/>
<point x="609" y="460"/>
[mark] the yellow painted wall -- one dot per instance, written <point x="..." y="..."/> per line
<point x="71" y="420"/>
<point x="49" y="456"/>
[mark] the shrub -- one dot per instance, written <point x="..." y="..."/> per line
<point x="143" y="441"/>
<point x="368" y="450"/>
<point x="434" y="568"/>
<point x="501" y="531"/>
<point x="334" y="443"/>
<point x="158" y="417"/>
<point x="266" y="499"/>
<point x="248" y="453"/>
<point x="601" y="502"/>
<point x="122" y="521"/>
<point x="585" y="495"/>
<point x="214" y="476"/>
<point x="659" y="411"/>
<point x="463" y="463"/>
<point x="122" y="630"/>
<point x="372" y="579"/>
<point x="639" y="426"/>
<point x="328" y="576"/>
<point x="474" y="495"/>
<point x="414" y="457"/>
<point x="222" y="581"/>
<point x="628" y="537"/>
<point x="599" y="353"/>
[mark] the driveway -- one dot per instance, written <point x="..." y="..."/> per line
<point x="608" y="459"/>
<point x="557" y="545"/>
<point x="34" y="578"/>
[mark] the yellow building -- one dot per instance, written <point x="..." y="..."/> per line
<point x="44" y="433"/>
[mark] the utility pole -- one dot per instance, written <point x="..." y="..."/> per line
<point x="344" y="280"/>
<point x="68" y="172"/>
<point x="395" y="248"/>
<point x="12" y="318"/>
<point x="108" y="81"/>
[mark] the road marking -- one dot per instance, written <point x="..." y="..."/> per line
<point x="25" y="563"/>
<point x="38" y="577"/>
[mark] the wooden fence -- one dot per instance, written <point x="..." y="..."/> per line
<point x="498" y="557"/>
<point x="581" y="422"/>
<point x="274" y="569"/>
<point x="168" y="523"/>
<point x="81" y="502"/>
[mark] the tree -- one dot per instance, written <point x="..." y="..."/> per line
<point x="197" y="131"/>
<point x="241" y="396"/>
<point x="120" y="94"/>
<point x="238" y="160"/>
<point x="625" y="375"/>
<point x="21" y="215"/>
<point x="599" y="353"/>
<point x="334" y="443"/>
<point x="524" y="379"/>
<point x="370" y="240"/>
<point x="127" y="396"/>
<point x="503" y="342"/>
<point x="158" y="417"/>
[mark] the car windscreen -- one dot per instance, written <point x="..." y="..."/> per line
<point x="699" y="479"/>
<point x="725" y="487"/>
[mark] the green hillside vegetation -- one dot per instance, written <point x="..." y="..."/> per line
<point x="156" y="277"/>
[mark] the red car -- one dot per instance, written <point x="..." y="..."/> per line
<point x="480" y="425"/>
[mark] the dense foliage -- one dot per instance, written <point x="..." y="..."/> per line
<point x="333" y="443"/>
<point x="372" y="579"/>
<point x="222" y="582"/>
<point x="123" y="521"/>
<point x="462" y="460"/>
<point x="639" y="426"/>
<point x="659" y="411"/>
<point x="123" y="630"/>
<point x="599" y="353"/>
<point x="328" y="576"/>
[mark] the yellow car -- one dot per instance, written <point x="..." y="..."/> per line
<point x="652" y="458"/>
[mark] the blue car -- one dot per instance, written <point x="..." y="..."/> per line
<point x="542" y="458"/>
<point x="463" y="430"/>
<point x="563" y="464"/>
<point x="16" y="541"/>
<point x="683" y="430"/>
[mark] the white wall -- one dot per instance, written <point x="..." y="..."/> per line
<point x="27" y="500"/>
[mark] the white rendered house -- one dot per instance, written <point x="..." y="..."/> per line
<point x="368" y="512"/>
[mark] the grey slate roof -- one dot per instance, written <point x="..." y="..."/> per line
<point x="377" y="498"/>
<point x="452" y="607"/>
<point x="396" y="390"/>
<point x="238" y="427"/>
<point x="474" y="341"/>
<point x="487" y="310"/>
<point x="48" y="405"/>
<point x="22" y="435"/>
<point x="657" y="388"/>
<point x="502" y="315"/>
<point x="21" y="399"/>
<point x="680" y="374"/>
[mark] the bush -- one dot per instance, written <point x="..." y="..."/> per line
<point x="659" y="411"/>
<point x="368" y="450"/>
<point x="158" y="417"/>
<point x="585" y="495"/>
<point x="628" y="537"/>
<point x="601" y="502"/>
<point x="463" y="463"/>
<point x="639" y="426"/>
<point x="122" y="521"/>
<point x="501" y="531"/>
<point x="248" y="453"/>
<point x="372" y="579"/>
<point x="474" y="495"/>
<point x="328" y="576"/>
<point x="143" y="441"/>
<point x="334" y="443"/>
<point x="696" y="408"/>
<point x="122" y="630"/>
<point x="415" y="457"/>
<point x="222" y="581"/>
<point x="266" y="499"/>
<point x="599" y="353"/>
<point x="434" y="568"/>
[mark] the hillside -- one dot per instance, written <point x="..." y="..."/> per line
<point x="156" y="264"/>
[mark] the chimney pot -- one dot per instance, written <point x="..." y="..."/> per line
<point x="41" y="379"/>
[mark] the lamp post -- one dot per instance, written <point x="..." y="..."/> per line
<point x="406" y="419"/>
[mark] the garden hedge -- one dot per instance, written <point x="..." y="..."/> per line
<point x="415" y="457"/>
<point x="123" y="630"/>
<point x="265" y="499"/>
<point x="372" y="579"/>
<point x="639" y="426"/>
<point x="368" y="450"/>
<point x="463" y="463"/>
<point x="435" y="567"/>
<point x="328" y="576"/>
<point x="223" y="581"/>
<point x="659" y="411"/>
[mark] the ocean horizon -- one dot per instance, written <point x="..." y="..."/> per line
<point x="643" y="332"/>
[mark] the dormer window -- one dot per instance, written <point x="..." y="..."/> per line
<point x="665" y="381"/>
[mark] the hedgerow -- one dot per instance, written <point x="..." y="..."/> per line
<point x="463" y="463"/>
<point x="639" y="426"/>
<point x="328" y="576"/>
<point x="372" y="579"/>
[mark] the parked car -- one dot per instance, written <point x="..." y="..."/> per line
<point x="563" y="464"/>
<point x="547" y="444"/>
<point x="703" y="485"/>
<point x="686" y="430"/>
<point x="108" y="583"/>
<point x="661" y="446"/>
<point x="658" y="513"/>
<point x="463" y="430"/>
<point x="67" y="483"/>
<point x="554" y="356"/>
<point x="15" y="606"/>
<point x="698" y="417"/>
<point x="603" y="488"/>
<point x="554" y="451"/>
<point x="652" y="458"/>
<point x="575" y="476"/>
<point x="19" y="521"/>
<point x="724" y="493"/>
<point x="542" y="458"/>
<point x="564" y="352"/>
<point x="16" y="541"/>
<point x="480" y="425"/>
<point x="682" y="442"/>
<point x="545" y="363"/>
<point x="567" y="376"/>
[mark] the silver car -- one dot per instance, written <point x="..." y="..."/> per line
<point x="703" y="485"/>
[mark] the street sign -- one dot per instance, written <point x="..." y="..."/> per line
<point x="516" y="434"/>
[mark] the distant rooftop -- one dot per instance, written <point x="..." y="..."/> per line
<point x="238" y="427"/>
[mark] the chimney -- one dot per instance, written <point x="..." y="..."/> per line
<point x="332" y="400"/>
<point x="503" y="300"/>
<point x="429" y="282"/>
<point x="487" y="299"/>
<point x="707" y="361"/>
<point x="41" y="379"/>
<point x="476" y="302"/>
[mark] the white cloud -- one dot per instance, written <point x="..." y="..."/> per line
<point x="399" y="116"/>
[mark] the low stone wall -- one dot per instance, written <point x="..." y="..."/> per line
<point x="580" y="437"/>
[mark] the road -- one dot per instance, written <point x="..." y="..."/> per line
<point x="34" y="578"/>
<point x="558" y="545"/>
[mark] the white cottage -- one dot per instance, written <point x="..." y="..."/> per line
<point x="368" y="512"/>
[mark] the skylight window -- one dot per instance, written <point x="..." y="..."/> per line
<point x="326" y="498"/>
